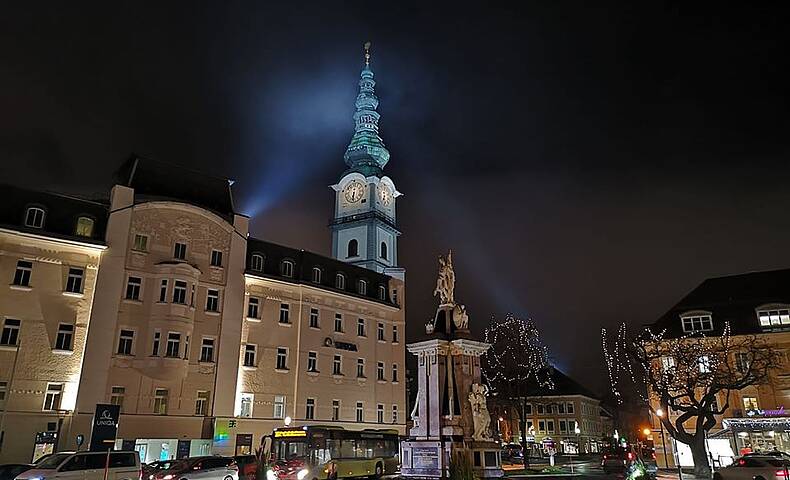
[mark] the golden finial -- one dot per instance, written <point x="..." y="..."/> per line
<point x="367" y="53"/>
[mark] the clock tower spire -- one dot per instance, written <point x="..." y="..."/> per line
<point x="364" y="231"/>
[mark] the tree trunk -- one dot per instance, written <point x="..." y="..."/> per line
<point x="522" y="422"/>
<point x="700" y="455"/>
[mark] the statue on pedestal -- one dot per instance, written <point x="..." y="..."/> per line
<point x="445" y="284"/>
<point x="480" y="416"/>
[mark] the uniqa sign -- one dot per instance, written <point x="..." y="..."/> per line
<point x="779" y="412"/>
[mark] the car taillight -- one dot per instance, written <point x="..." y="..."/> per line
<point x="630" y="455"/>
<point x="741" y="462"/>
<point x="605" y="457"/>
<point x="653" y="455"/>
<point x="781" y="473"/>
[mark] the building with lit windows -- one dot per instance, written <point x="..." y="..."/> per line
<point x="158" y="300"/>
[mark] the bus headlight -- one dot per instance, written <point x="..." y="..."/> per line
<point x="302" y="473"/>
<point x="270" y="475"/>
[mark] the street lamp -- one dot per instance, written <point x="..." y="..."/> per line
<point x="660" y="415"/>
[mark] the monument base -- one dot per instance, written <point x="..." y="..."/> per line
<point x="430" y="459"/>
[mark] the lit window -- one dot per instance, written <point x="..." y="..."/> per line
<point x="316" y="275"/>
<point x="246" y="401"/>
<point x="256" y="263"/>
<point x="340" y="281"/>
<point x="287" y="268"/>
<point x="282" y="358"/>
<point x="65" y="338"/>
<point x="216" y="258"/>
<point x="309" y="413"/>
<point x="22" y="273"/>
<point x="140" y="243"/>
<point x="704" y="364"/>
<point x="337" y="365"/>
<point x="750" y="403"/>
<point x="207" y="350"/>
<point x="125" y="341"/>
<point x="667" y="363"/>
<point x="74" y="281"/>
<point x="774" y="318"/>
<point x="362" y="287"/>
<point x="160" y="401"/>
<point x="697" y="323"/>
<point x="312" y="362"/>
<point x="201" y="403"/>
<point x="180" y="251"/>
<point x="52" y="396"/>
<point x="279" y="406"/>
<point x="314" y="318"/>
<point x="285" y="313"/>
<point x="212" y="300"/>
<point x="34" y="217"/>
<point x="249" y="355"/>
<point x="742" y="362"/>
<point x="84" y="227"/>
<point x="252" y="307"/>
<point x="353" y="248"/>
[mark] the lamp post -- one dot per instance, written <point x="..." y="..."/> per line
<point x="660" y="414"/>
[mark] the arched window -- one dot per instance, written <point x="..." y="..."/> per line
<point x="362" y="287"/>
<point x="353" y="248"/>
<point x="340" y="281"/>
<point x="316" y="275"/>
<point x="382" y="292"/>
<point x="383" y="252"/>
<point x="256" y="263"/>
<point x="34" y="217"/>
<point x="85" y="227"/>
<point x="287" y="268"/>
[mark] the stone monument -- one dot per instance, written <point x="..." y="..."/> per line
<point x="451" y="415"/>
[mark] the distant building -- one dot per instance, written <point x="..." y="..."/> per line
<point x="159" y="301"/>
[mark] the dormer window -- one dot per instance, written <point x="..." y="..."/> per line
<point x="34" y="217"/>
<point x="382" y="292"/>
<point x="256" y="263"/>
<point x="362" y="287"/>
<point x="287" y="268"/>
<point x="84" y="227"/>
<point x="316" y="275"/>
<point x="697" y="322"/>
<point x="774" y="316"/>
<point x="340" y="281"/>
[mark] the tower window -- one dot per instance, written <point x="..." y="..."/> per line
<point x="180" y="251"/>
<point x="256" y="263"/>
<point x="34" y="217"/>
<point x="383" y="250"/>
<point x="287" y="268"/>
<point x="316" y="275"/>
<point x="353" y="248"/>
<point x="84" y="227"/>
<point x="340" y="281"/>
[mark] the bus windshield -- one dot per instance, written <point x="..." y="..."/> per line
<point x="287" y="450"/>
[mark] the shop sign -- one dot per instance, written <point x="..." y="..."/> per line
<point x="105" y="427"/>
<point x="778" y="412"/>
<point x="289" y="433"/>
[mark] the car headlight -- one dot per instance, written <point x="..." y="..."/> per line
<point x="270" y="475"/>
<point x="302" y="473"/>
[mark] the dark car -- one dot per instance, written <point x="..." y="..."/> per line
<point x="9" y="471"/>
<point x="618" y="460"/>
<point x="150" y="469"/>
<point x="201" y="468"/>
<point x="248" y="466"/>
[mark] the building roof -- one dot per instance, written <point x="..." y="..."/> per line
<point x="563" y="386"/>
<point x="157" y="180"/>
<point x="732" y="299"/>
<point x="61" y="214"/>
<point x="304" y="262"/>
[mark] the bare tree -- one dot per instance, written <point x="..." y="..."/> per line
<point x="515" y="367"/>
<point x="693" y="375"/>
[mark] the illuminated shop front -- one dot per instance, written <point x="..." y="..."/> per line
<point x="761" y="431"/>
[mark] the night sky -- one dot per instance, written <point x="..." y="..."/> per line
<point x="588" y="165"/>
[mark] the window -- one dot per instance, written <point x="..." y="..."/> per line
<point x="312" y="361"/>
<point x="541" y="409"/>
<point x="548" y="409"/>
<point x="394" y="334"/>
<point x="395" y="296"/>
<point x="361" y="327"/>
<point x="309" y="411"/>
<point x="246" y="402"/>
<point x="380" y="413"/>
<point x="697" y="323"/>
<point x="353" y="248"/>
<point x="173" y="345"/>
<point x="180" y="251"/>
<point x="10" y="335"/>
<point x="542" y="426"/>
<point x="212" y="300"/>
<point x="74" y="281"/>
<point x="282" y="358"/>
<point x="362" y="287"/>
<point x="394" y="372"/>
<point x="84" y="227"/>
<point x="750" y="403"/>
<point x="360" y="412"/>
<point x="116" y="396"/>
<point x="201" y="403"/>
<point x="22" y="274"/>
<point x="284" y="313"/>
<point x="180" y="292"/>
<point x="774" y="318"/>
<point x="249" y="355"/>
<point x="65" y="337"/>
<point x="528" y="409"/>
<point x="550" y="426"/>
<point x="287" y="268"/>
<point x="382" y="292"/>
<point x="133" y="288"/>
<point x="125" y="342"/>
<point x="279" y="406"/>
<point x="256" y="263"/>
<point x="561" y="408"/>
<point x="34" y="217"/>
<point x="140" y="243"/>
<point x="360" y="368"/>
<point x="160" y="401"/>
<point x="704" y="364"/>
<point x="335" y="410"/>
<point x="340" y="281"/>
<point x="216" y="258"/>
<point x="163" y="291"/>
<point x="337" y="365"/>
<point x="380" y="332"/>
<point x="314" y="318"/>
<point x="155" y="346"/>
<point x="380" y="371"/>
<point x="52" y="396"/>
<point x="742" y="362"/>
<point x="394" y="414"/>
<point x="339" y="323"/>
<point x="252" y="307"/>
<point x="207" y="350"/>
<point x="383" y="250"/>
<point x="667" y="363"/>
<point x="316" y="275"/>
<point x="563" y="426"/>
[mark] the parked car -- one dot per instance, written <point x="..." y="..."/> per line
<point x="9" y="471"/>
<point x="648" y="458"/>
<point x="123" y="465"/>
<point x="149" y="469"/>
<point x="248" y="466"/>
<point x="201" y="468"/>
<point x="755" y="467"/>
<point x="618" y="460"/>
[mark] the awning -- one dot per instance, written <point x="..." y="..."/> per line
<point x="767" y="424"/>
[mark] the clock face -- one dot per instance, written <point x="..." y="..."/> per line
<point x="385" y="195"/>
<point x="354" y="191"/>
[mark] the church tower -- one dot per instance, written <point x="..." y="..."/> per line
<point x="364" y="231"/>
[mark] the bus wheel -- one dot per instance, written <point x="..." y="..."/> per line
<point x="379" y="471"/>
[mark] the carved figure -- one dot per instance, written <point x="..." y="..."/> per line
<point x="460" y="318"/>
<point x="445" y="283"/>
<point x="481" y="419"/>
